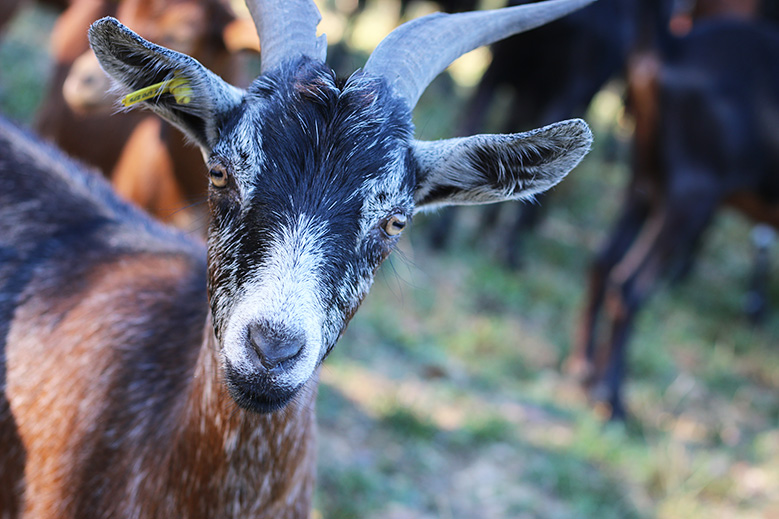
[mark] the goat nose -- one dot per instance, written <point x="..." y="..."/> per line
<point x="274" y="347"/>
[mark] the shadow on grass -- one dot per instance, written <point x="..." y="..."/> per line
<point x="400" y="463"/>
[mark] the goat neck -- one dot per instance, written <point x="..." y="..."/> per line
<point x="248" y="464"/>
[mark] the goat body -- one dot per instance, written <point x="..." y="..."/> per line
<point x="108" y="410"/>
<point x="706" y="119"/>
<point x="582" y="52"/>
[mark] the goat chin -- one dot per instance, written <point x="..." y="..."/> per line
<point x="258" y="392"/>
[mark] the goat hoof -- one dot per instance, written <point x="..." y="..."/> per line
<point x="754" y="307"/>
<point x="581" y="370"/>
<point x="606" y="403"/>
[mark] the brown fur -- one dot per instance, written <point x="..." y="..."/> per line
<point x="112" y="402"/>
<point x="737" y="8"/>
<point x="176" y="445"/>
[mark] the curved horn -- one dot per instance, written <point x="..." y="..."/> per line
<point x="287" y="29"/>
<point x="412" y="55"/>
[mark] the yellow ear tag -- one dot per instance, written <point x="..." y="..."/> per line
<point x="178" y="86"/>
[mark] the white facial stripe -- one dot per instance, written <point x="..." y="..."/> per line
<point x="285" y="291"/>
<point x="353" y="288"/>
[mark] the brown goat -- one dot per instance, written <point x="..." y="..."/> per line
<point x="149" y="163"/>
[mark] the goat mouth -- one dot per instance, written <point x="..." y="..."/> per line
<point x="260" y="395"/>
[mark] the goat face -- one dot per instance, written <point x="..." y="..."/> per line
<point x="312" y="180"/>
<point x="310" y="190"/>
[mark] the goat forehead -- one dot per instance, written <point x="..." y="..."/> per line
<point x="307" y="152"/>
<point x="305" y="136"/>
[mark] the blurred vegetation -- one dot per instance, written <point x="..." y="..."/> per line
<point x="25" y="66"/>
<point x="445" y="398"/>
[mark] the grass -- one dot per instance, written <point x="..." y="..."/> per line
<point x="25" y="63"/>
<point x="468" y="355"/>
<point x="446" y="399"/>
<point x="473" y="370"/>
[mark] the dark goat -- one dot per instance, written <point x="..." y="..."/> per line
<point x="594" y="46"/>
<point x="706" y="116"/>
<point x="142" y="376"/>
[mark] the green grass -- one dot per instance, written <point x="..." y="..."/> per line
<point x="446" y="398"/>
<point x="25" y="66"/>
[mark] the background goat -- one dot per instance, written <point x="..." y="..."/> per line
<point x="149" y="163"/>
<point x="312" y="180"/>
<point x="705" y="137"/>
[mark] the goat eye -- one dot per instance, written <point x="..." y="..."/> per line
<point x="395" y="224"/>
<point x="218" y="176"/>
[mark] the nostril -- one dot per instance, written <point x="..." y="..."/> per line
<point x="274" y="347"/>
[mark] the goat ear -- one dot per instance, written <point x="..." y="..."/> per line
<point x="494" y="168"/>
<point x="196" y="100"/>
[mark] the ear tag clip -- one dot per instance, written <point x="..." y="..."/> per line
<point x="178" y="87"/>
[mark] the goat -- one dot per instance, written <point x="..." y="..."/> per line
<point x="149" y="163"/>
<point x="705" y="112"/>
<point x="690" y="11"/>
<point x="198" y="369"/>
